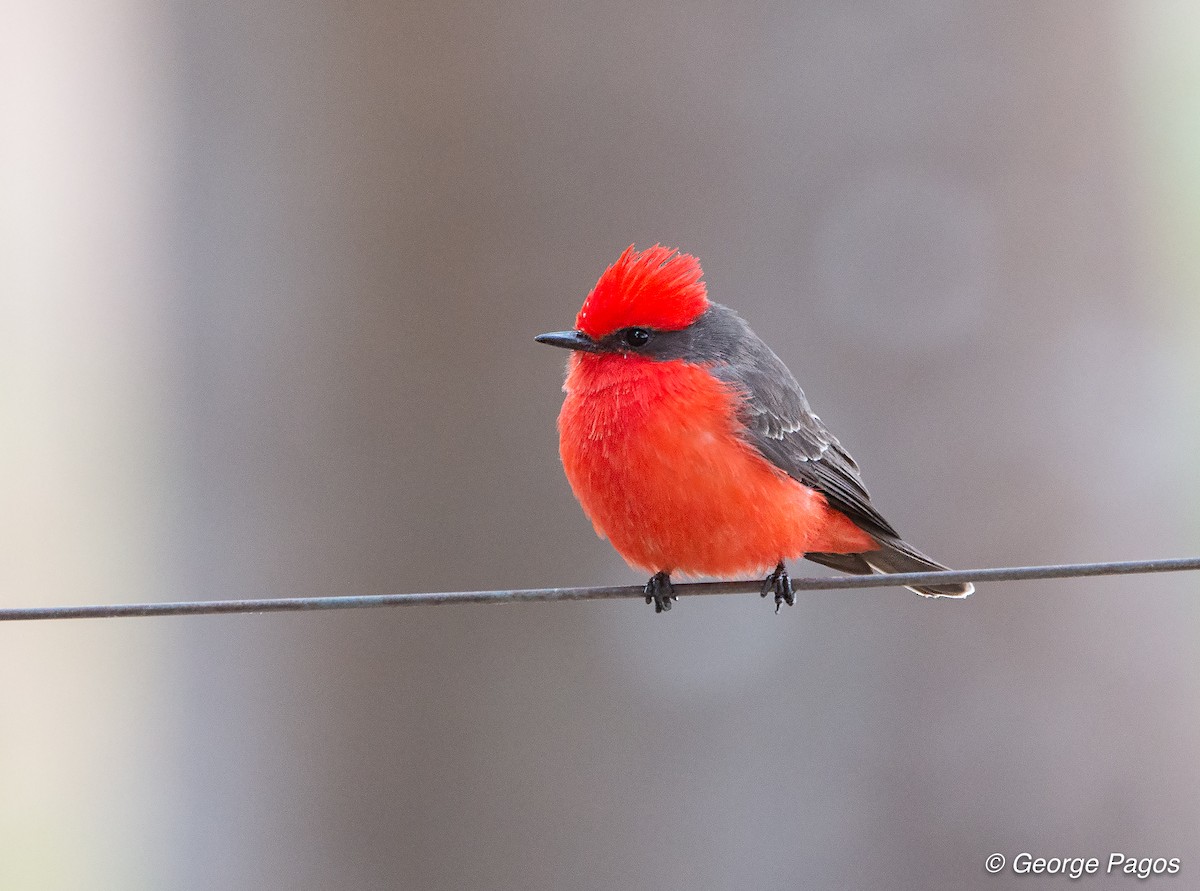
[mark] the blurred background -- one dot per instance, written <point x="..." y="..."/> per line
<point x="269" y="278"/>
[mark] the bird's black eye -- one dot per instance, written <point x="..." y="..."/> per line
<point x="637" y="337"/>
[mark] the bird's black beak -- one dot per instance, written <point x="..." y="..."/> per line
<point x="569" y="340"/>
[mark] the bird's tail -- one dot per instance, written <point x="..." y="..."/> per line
<point x="893" y="555"/>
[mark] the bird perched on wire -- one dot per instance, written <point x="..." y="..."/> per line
<point x="692" y="449"/>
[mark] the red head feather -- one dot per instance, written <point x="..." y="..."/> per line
<point x="657" y="288"/>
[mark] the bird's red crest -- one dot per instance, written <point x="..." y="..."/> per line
<point x="655" y="288"/>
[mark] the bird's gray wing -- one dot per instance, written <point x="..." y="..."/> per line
<point x="780" y="425"/>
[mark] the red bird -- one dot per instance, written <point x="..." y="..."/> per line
<point x="692" y="448"/>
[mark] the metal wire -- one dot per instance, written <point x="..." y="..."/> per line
<point x="537" y="595"/>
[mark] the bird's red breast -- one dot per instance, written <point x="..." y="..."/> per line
<point x="655" y="455"/>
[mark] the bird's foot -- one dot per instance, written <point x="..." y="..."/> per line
<point x="660" y="592"/>
<point x="780" y="584"/>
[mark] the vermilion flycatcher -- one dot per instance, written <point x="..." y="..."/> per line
<point x="692" y="448"/>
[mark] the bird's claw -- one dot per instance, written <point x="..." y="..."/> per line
<point x="660" y="592"/>
<point x="780" y="584"/>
